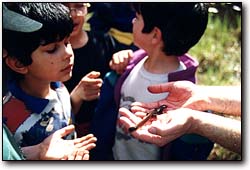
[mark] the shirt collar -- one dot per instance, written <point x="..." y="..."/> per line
<point x="34" y="104"/>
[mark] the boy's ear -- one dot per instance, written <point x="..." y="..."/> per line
<point x="16" y="65"/>
<point x="157" y="36"/>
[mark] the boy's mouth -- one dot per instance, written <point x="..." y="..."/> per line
<point x="68" y="68"/>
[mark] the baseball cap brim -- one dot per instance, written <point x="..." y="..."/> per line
<point x="17" y="22"/>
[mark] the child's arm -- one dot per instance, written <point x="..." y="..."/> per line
<point x="87" y="89"/>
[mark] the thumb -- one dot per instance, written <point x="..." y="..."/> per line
<point x="155" y="131"/>
<point x="93" y="74"/>
<point x="65" y="131"/>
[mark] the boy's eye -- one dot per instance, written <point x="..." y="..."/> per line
<point x="52" y="50"/>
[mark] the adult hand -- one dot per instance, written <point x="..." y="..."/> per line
<point x="175" y="123"/>
<point x="166" y="128"/>
<point x="120" y="60"/>
<point x="56" y="148"/>
<point x="181" y="94"/>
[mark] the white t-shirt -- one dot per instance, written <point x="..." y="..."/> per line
<point x="134" y="89"/>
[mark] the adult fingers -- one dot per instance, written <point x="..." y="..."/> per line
<point x="125" y="112"/>
<point x="126" y="122"/>
<point x="138" y="106"/>
<point x="161" y="88"/>
<point x="165" y="130"/>
<point x="144" y="135"/>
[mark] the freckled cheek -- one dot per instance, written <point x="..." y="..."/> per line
<point x="51" y="60"/>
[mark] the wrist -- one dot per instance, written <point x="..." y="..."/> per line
<point x="32" y="152"/>
<point x="205" y="101"/>
<point x="193" y="121"/>
<point x="75" y="98"/>
<point x="42" y="151"/>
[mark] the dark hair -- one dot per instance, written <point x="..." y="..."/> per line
<point x="57" y="25"/>
<point x="182" y="23"/>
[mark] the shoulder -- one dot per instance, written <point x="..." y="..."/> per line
<point x="137" y="56"/>
<point x="61" y="90"/>
<point x="189" y="60"/>
<point x="59" y="86"/>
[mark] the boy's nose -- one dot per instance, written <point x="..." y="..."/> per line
<point x="68" y="51"/>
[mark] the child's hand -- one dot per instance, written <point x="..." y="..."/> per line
<point x="56" y="148"/>
<point x="120" y="60"/>
<point x="89" y="87"/>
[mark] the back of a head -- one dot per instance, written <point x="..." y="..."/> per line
<point x="182" y="23"/>
<point x="57" y="25"/>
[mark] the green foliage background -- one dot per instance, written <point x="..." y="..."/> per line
<point x="219" y="55"/>
<point x="219" y="50"/>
